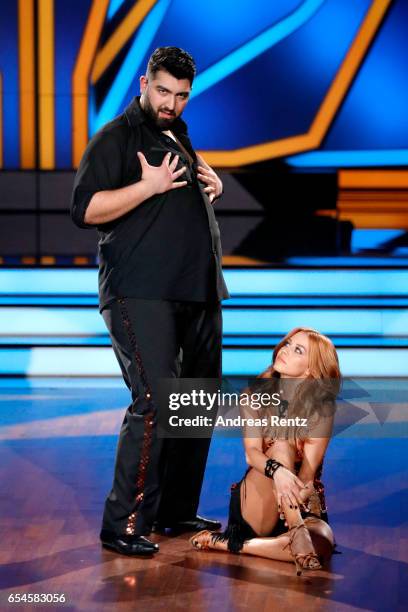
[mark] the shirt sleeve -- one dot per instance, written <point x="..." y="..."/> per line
<point x="100" y="169"/>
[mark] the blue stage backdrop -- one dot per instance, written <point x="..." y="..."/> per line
<point x="316" y="82"/>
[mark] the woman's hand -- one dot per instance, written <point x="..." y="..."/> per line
<point x="288" y="487"/>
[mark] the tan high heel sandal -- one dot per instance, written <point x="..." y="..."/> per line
<point x="198" y="545"/>
<point x="299" y="537"/>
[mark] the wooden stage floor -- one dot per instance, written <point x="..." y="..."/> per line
<point x="56" y="460"/>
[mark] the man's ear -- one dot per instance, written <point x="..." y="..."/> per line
<point x="143" y="83"/>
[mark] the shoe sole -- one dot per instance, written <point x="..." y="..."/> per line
<point x="117" y="549"/>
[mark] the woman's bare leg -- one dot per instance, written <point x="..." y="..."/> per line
<point x="276" y="548"/>
<point x="259" y="506"/>
<point x="322" y="537"/>
<point x="269" y="548"/>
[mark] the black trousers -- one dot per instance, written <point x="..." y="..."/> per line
<point x="156" y="478"/>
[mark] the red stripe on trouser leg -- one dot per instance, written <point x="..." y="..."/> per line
<point x="147" y="422"/>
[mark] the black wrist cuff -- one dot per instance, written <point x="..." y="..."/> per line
<point x="270" y="467"/>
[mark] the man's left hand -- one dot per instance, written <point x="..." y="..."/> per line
<point x="213" y="182"/>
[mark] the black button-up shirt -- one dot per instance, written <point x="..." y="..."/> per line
<point x="169" y="246"/>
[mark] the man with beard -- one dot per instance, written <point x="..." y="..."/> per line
<point x="160" y="287"/>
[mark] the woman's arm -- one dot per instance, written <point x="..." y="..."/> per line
<point x="313" y="452"/>
<point x="254" y="455"/>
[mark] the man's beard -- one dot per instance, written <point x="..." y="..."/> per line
<point x="161" y="122"/>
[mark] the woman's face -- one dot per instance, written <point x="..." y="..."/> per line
<point x="292" y="360"/>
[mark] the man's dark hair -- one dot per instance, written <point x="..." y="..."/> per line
<point x="176" y="61"/>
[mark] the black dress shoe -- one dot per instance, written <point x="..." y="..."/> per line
<point x="128" y="544"/>
<point x="198" y="523"/>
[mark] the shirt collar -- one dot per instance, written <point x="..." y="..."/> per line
<point x="136" y="115"/>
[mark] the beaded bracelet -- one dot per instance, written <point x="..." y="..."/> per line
<point x="271" y="466"/>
